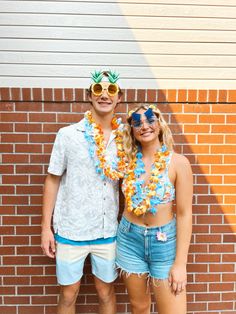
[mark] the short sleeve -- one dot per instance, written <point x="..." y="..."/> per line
<point x="58" y="159"/>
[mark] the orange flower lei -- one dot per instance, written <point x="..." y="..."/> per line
<point x="102" y="166"/>
<point x="133" y="186"/>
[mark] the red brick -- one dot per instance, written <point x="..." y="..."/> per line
<point x="31" y="309"/>
<point x="41" y="138"/>
<point x="15" y="260"/>
<point x="222" y="96"/>
<point x="69" y="118"/>
<point x="224" y="108"/>
<point x="213" y="119"/>
<point x="58" y="94"/>
<point x="13" y="117"/>
<point x="7" y="106"/>
<point x="202" y="96"/>
<point x="26" y="94"/>
<point x="29" y="106"/>
<point x="221" y="268"/>
<point x="14" y="199"/>
<point x="6" y="127"/>
<point x="162" y="95"/>
<point x="141" y="95"/>
<point x="26" y="290"/>
<point x="48" y="94"/>
<point x="28" y="148"/>
<point x="232" y="96"/>
<point x="82" y="107"/>
<point x="41" y="159"/>
<point x="15" y="240"/>
<point x="8" y="309"/>
<point x="6" y="148"/>
<point x="56" y="107"/>
<point x="16" y="94"/>
<point x="221" y="306"/>
<point x="29" y="189"/>
<point x="212" y="96"/>
<point x="130" y="95"/>
<point x="14" y="158"/>
<point x="6" y="189"/>
<point x="42" y="117"/>
<point x="16" y="280"/>
<point x="37" y="94"/>
<point x="219" y="286"/>
<point x="79" y="94"/>
<point x="29" y="169"/>
<point x="14" y="138"/>
<point x="28" y="128"/>
<point x="182" y="95"/>
<point x="69" y="94"/>
<point x="5" y="93"/>
<point x="28" y="230"/>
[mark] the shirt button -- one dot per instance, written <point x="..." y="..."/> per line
<point x="105" y="183"/>
<point x="104" y="198"/>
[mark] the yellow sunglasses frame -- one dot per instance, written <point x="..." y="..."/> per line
<point x="102" y="89"/>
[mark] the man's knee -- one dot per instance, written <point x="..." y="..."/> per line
<point x="105" y="291"/>
<point x="68" y="294"/>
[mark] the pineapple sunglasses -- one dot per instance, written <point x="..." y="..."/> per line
<point x="111" y="88"/>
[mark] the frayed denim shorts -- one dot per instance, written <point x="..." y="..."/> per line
<point x="143" y="250"/>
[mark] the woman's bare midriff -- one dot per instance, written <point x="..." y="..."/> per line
<point x="162" y="217"/>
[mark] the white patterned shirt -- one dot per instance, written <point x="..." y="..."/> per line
<point x="87" y="206"/>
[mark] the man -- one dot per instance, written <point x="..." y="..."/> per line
<point x="81" y="192"/>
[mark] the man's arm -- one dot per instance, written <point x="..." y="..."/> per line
<point x="51" y="186"/>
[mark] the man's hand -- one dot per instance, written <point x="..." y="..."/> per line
<point x="48" y="243"/>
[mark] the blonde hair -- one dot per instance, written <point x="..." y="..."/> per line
<point x="165" y="135"/>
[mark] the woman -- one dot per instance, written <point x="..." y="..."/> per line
<point x="152" y="241"/>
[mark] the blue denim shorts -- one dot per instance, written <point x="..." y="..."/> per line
<point x="143" y="250"/>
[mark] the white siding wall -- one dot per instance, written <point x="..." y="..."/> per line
<point x="152" y="44"/>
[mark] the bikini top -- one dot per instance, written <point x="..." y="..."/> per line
<point x="165" y="190"/>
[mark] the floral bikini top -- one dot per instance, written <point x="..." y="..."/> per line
<point x="164" y="192"/>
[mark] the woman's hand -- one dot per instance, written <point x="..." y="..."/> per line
<point x="177" y="278"/>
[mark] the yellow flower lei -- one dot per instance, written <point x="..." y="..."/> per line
<point x="149" y="190"/>
<point x="107" y="170"/>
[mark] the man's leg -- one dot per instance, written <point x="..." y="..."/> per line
<point x="106" y="295"/>
<point x="67" y="298"/>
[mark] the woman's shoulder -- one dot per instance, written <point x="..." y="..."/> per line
<point x="180" y="160"/>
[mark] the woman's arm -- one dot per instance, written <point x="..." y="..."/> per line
<point x="51" y="186"/>
<point x="184" y="194"/>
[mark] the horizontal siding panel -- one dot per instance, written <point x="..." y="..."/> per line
<point x="116" y="59"/>
<point x="153" y="43"/>
<point x="127" y="9"/>
<point x="123" y="34"/>
<point x="167" y="2"/>
<point x="145" y="73"/>
<point x="125" y="83"/>
<point x="114" y="47"/>
<point x="90" y="21"/>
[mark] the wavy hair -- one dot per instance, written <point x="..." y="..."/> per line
<point x="131" y="144"/>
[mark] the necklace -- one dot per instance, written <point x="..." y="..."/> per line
<point x="141" y="199"/>
<point x="95" y="137"/>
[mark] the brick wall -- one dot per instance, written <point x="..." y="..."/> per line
<point x="203" y="124"/>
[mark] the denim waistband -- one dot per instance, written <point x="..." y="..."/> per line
<point x="129" y="226"/>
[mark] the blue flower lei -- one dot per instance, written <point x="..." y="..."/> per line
<point x="141" y="193"/>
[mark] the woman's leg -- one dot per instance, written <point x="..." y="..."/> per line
<point x="139" y="293"/>
<point x="167" y="301"/>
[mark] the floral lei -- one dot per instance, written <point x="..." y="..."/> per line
<point x="95" y="137"/>
<point x="140" y="199"/>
